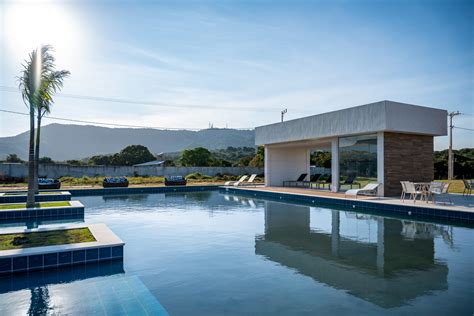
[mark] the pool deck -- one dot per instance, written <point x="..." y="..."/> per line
<point x="460" y="203"/>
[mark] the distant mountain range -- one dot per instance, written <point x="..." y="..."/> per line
<point x="65" y="142"/>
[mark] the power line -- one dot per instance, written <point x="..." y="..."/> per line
<point x="464" y="128"/>
<point x="113" y="124"/>
<point x="126" y="101"/>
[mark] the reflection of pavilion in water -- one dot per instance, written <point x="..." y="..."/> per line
<point x="397" y="266"/>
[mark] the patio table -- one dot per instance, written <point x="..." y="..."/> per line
<point x="424" y="188"/>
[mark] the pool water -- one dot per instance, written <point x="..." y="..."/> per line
<point x="208" y="253"/>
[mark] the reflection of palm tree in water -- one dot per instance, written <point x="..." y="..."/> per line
<point x="39" y="301"/>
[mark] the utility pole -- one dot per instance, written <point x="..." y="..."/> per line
<point x="450" y="151"/>
<point x="283" y="113"/>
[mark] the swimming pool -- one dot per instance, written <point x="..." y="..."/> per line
<point x="210" y="253"/>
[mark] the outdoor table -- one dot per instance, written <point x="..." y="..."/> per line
<point x="424" y="188"/>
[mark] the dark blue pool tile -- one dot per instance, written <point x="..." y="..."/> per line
<point x="92" y="254"/>
<point x="20" y="263"/>
<point x="79" y="256"/>
<point x="51" y="259"/>
<point x="35" y="261"/>
<point x="65" y="257"/>
<point x="5" y="265"/>
<point x="117" y="251"/>
<point x="105" y="252"/>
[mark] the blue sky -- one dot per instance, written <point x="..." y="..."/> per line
<point x="238" y="63"/>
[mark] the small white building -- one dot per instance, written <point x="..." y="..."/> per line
<point x="385" y="141"/>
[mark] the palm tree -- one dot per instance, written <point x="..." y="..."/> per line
<point x="35" y="69"/>
<point x="52" y="83"/>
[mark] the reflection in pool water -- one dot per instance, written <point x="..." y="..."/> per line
<point x="210" y="253"/>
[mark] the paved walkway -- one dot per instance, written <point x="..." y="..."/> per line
<point x="459" y="202"/>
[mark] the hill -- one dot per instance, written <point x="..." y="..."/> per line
<point x="64" y="142"/>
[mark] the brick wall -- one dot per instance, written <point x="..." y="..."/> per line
<point x="407" y="157"/>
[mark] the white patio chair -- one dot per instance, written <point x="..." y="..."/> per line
<point x="411" y="189"/>
<point x="440" y="189"/>
<point x="248" y="182"/>
<point x="404" y="190"/>
<point x="369" y="189"/>
<point x="233" y="182"/>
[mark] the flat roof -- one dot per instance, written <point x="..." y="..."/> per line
<point x="383" y="116"/>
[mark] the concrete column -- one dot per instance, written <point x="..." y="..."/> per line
<point x="335" y="164"/>
<point x="267" y="166"/>
<point x="380" y="163"/>
<point x="335" y="235"/>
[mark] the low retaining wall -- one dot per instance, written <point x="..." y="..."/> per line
<point x="57" y="196"/>
<point x="19" y="170"/>
<point x="106" y="247"/>
<point x="76" y="209"/>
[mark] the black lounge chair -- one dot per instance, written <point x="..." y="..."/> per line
<point x="351" y="181"/>
<point x="328" y="181"/>
<point x="299" y="180"/>
<point x="313" y="179"/>
<point x="175" y="180"/>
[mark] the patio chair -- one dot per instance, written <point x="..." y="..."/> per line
<point x="242" y="179"/>
<point x="440" y="189"/>
<point x="369" y="189"/>
<point x="404" y="190"/>
<point x="299" y="180"/>
<point x="467" y="187"/>
<point x="250" y="181"/>
<point x="350" y="181"/>
<point x="411" y="189"/>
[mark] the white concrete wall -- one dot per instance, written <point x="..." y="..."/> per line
<point x="57" y="171"/>
<point x="364" y="119"/>
<point x="283" y="164"/>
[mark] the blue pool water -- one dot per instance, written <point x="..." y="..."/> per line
<point x="208" y="253"/>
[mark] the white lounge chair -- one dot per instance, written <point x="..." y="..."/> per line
<point x="370" y="188"/>
<point x="242" y="179"/>
<point x="248" y="182"/>
<point x="410" y="188"/>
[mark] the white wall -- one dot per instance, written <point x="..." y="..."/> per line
<point x="283" y="164"/>
<point x="57" y="171"/>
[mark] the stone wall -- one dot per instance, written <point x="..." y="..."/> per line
<point x="407" y="157"/>
<point x="18" y="170"/>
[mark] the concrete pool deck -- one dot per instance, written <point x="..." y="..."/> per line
<point x="462" y="208"/>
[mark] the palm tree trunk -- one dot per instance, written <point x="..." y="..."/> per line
<point x="30" y="200"/>
<point x="37" y="147"/>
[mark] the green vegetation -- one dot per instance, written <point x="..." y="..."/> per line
<point x="11" y="206"/>
<point x="13" y="158"/>
<point x="129" y="156"/>
<point x="463" y="163"/>
<point x="45" y="160"/>
<point x="48" y="238"/>
<point x="197" y="157"/>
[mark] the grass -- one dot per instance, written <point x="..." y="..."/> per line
<point x="48" y="238"/>
<point x="41" y="205"/>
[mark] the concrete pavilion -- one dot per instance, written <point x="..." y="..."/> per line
<point x="385" y="141"/>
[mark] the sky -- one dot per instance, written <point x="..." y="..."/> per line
<point x="237" y="64"/>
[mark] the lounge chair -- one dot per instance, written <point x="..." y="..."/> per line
<point x="328" y="181"/>
<point x="299" y="180"/>
<point x="242" y="179"/>
<point x="369" y="189"/>
<point x="350" y="181"/>
<point x="467" y="187"/>
<point x="250" y="181"/>
<point x="175" y="180"/>
<point x="313" y="179"/>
